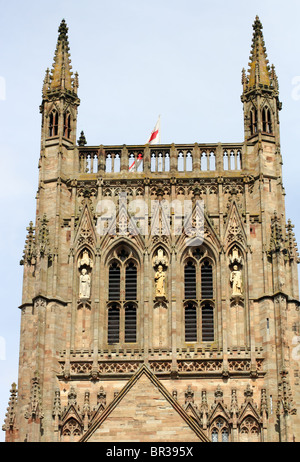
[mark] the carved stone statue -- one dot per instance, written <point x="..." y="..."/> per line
<point x="85" y="260"/>
<point x="85" y="284"/>
<point x="236" y="281"/>
<point x="160" y="277"/>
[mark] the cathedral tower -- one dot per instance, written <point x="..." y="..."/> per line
<point x="160" y="293"/>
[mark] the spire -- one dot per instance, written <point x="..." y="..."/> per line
<point x="259" y="72"/>
<point x="61" y="74"/>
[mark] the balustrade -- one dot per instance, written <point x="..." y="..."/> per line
<point x="160" y="159"/>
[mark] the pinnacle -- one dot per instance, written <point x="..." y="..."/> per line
<point x="259" y="72"/>
<point x="63" y="31"/>
<point x="61" y="77"/>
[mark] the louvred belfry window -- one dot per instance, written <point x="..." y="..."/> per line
<point x="130" y="324"/>
<point x="191" y="323"/>
<point x="114" y="282"/>
<point x="113" y="330"/>
<point x="266" y="120"/>
<point x="130" y="282"/>
<point x="123" y="289"/>
<point x="207" y="324"/>
<point x="199" y="298"/>
<point x="53" y="124"/>
<point x="206" y="281"/>
<point x="190" y="281"/>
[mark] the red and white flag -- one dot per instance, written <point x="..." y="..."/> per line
<point x="155" y="135"/>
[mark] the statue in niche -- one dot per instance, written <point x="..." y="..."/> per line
<point x="160" y="262"/>
<point x="160" y="277"/>
<point x="85" y="284"/>
<point x="85" y="265"/>
<point x="236" y="281"/>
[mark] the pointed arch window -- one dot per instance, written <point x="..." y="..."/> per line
<point x="114" y="282"/>
<point x="190" y="281"/>
<point x="206" y="280"/>
<point x="123" y="289"/>
<point x="266" y="120"/>
<point x="220" y="431"/>
<point x="53" y="124"/>
<point x="198" y="298"/>
<point x="130" y="281"/>
<point x="249" y="430"/>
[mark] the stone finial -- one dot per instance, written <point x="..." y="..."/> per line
<point x="82" y="139"/>
<point x="61" y="74"/>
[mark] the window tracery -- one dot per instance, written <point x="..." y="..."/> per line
<point x="123" y="291"/>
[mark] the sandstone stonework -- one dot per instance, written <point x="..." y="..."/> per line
<point x="132" y="322"/>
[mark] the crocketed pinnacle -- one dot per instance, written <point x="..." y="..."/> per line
<point x="259" y="72"/>
<point x="61" y="74"/>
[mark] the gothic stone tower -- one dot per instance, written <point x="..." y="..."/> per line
<point x="134" y="324"/>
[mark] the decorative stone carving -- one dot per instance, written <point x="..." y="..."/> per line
<point x="85" y="284"/>
<point x="160" y="262"/>
<point x="160" y="277"/>
<point x="236" y="281"/>
<point x="85" y="260"/>
<point x="236" y="275"/>
<point x="85" y="265"/>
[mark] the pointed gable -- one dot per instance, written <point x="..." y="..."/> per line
<point x="144" y="411"/>
<point x="86" y="231"/>
<point x="234" y="228"/>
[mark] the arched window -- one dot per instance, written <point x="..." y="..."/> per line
<point x="206" y="281"/>
<point x="253" y="121"/>
<point x="123" y="289"/>
<point x="114" y="282"/>
<point x="67" y="125"/>
<point x="249" y="430"/>
<point x="198" y="288"/>
<point x="190" y="281"/>
<point x="131" y="282"/>
<point x="266" y="120"/>
<point x="219" y="431"/>
<point x="53" y="124"/>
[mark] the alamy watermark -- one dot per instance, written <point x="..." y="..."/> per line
<point x="152" y="218"/>
<point x="2" y="89"/>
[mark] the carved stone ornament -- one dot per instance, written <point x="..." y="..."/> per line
<point x="236" y="275"/>
<point x="160" y="263"/>
<point x="85" y="265"/>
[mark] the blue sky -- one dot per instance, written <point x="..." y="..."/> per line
<point x="136" y="60"/>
